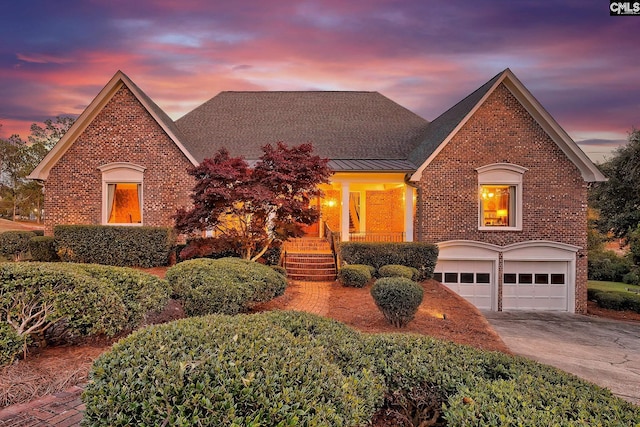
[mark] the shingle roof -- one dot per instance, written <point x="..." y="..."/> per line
<point x="346" y="127"/>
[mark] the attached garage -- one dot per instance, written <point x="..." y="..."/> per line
<point x="535" y="285"/>
<point x="470" y="269"/>
<point x="532" y="275"/>
<point x="471" y="279"/>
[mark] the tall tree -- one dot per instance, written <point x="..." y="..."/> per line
<point x="253" y="206"/>
<point x="618" y="199"/>
<point x="18" y="158"/>
<point x="43" y="138"/>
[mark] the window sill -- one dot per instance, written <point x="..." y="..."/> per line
<point x="496" y="228"/>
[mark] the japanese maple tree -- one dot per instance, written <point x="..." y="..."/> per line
<point x="253" y="206"/>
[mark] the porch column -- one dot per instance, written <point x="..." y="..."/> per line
<point x="344" y="210"/>
<point x="408" y="213"/>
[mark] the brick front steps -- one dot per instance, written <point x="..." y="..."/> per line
<point x="309" y="259"/>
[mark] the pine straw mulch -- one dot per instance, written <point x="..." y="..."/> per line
<point x="53" y="369"/>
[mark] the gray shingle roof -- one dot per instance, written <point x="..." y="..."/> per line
<point x="349" y="128"/>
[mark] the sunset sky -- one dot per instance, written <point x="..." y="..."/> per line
<point x="580" y="63"/>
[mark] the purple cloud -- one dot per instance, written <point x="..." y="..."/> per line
<point x="576" y="59"/>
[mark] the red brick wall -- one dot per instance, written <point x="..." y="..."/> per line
<point x="385" y="211"/>
<point x="122" y="132"/>
<point x="554" y="193"/>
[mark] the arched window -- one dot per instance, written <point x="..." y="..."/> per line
<point x="122" y="193"/>
<point x="500" y="196"/>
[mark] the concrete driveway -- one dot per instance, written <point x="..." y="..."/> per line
<point x="605" y="352"/>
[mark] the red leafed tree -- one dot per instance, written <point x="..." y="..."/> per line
<point x="251" y="207"/>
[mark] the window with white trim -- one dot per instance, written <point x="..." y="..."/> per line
<point x="122" y="200"/>
<point x="500" y="196"/>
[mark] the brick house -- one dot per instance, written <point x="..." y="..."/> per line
<point x="494" y="180"/>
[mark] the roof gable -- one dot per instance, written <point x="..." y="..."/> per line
<point x="444" y="128"/>
<point x="41" y="172"/>
<point x="340" y="125"/>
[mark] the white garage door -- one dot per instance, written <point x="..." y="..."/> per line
<point x="470" y="279"/>
<point x="535" y="285"/>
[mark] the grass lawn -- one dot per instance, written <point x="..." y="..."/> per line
<point x="611" y="286"/>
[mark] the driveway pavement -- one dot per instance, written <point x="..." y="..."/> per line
<point x="605" y="352"/>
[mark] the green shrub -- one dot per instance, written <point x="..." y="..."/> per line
<point x="119" y="246"/>
<point x="11" y="344"/>
<point x="614" y="300"/>
<point x="287" y="368"/>
<point x="419" y="255"/>
<point x="89" y="299"/>
<point x="632" y="277"/>
<point x="481" y="388"/>
<point x="141" y="292"/>
<point x="592" y="294"/>
<point x="225" y="285"/>
<point x="280" y="269"/>
<point x="43" y="248"/>
<point x="39" y="233"/>
<point x="355" y="276"/>
<point x="14" y="245"/>
<point x="268" y="369"/>
<point x="398" y="298"/>
<point x="607" y="266"/>
<point x="395" y="270"/>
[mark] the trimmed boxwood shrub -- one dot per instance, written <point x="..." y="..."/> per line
<point x="355" y="276"/>
<point x="15" y="244"/>
<point x="111" y="245"/>
<point x="395" y="270"/>
<point x="398" y="298"/>
<point x="141" y="292"/>
<point x="286" y="368"/>
<point x="268" y="369"/>
<point x="482" y="388"/>
<point x="89" y="299"/>
<point x="43" y="248"/>
<point x="615" y="300"/>
<point x="279" y="269"/>
<point x="419" y="255"/>
<point x="225" y="285"/>
<point x="11" y="344"/>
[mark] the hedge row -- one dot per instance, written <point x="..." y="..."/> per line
<point x="395" y="270"/>
<point x="15" y="244"/>
<point x="43" y="248"/>
<point x="83" y="299"/>
<point x="614" y="300"/>
<point x="419" y="255"/>
<point x="356" y="275"/>
<point x="286" y="368"/>
<point x="225" y="285"/>
<point x="118" y="246"/>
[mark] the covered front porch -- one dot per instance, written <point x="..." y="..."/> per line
<point x="372" y="207"/>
